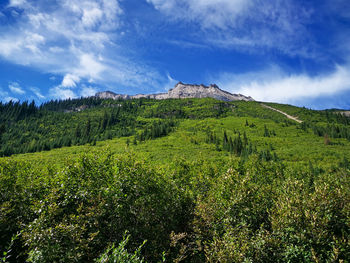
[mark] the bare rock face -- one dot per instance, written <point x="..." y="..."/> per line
<point x="182" y="91"/>
<point x="201" y="91"/>
<point x="111" y="95"/>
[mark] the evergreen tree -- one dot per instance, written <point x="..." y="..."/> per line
<point x="266" y="132"/>
<point x="88" y="128"/>
<point x="245" y="139"/>
<point x="2" y="130"/>
<point x="104" y="121"/>
<point x="225" y="144"/>
<point x="77" y="132"/>
<point x="237" y="145"/>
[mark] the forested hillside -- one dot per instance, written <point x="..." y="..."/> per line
<point x="28" y="128"/>
<point x="191" y="180"/>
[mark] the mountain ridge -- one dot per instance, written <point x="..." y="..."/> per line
<point x="182" y="91"/>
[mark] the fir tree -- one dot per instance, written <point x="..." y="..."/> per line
<point x="88" y="128"/>
<point x="266" y="132"/>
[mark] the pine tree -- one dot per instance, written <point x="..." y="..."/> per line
<point x="225" y="145"/>
<point x="237" y="145"/>
<point x="266" y="132"/>
<point x="230" y="145"/>
<point x="88" y="128"/>
<point x="2" y="130"/>
<point x="104" y="121"/>
<point x="77" y="132"/>
<point x="245" y="139"/>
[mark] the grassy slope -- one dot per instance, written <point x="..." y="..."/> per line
<point x="291" y="143"/>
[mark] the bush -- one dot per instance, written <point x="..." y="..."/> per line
<point x="265" y="213"/>
<point x="120" y="254"/>
<point x="255" y="211"/>
<point x="75" y="214"/>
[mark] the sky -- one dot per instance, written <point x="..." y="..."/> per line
<point x="286" y="51"/>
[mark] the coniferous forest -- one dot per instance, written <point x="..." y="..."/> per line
<point x="179" y="180"/>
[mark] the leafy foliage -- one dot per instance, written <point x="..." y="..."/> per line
<point x="120" y="254"/>
<point x="194" y="180"/>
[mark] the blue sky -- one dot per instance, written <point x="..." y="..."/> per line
<point x="286" y="51"/>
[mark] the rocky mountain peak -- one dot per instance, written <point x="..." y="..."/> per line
<point x="183" y="91"/>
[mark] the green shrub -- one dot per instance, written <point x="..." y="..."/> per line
<point x="120" y="254"/>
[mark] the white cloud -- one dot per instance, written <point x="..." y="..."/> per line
<point x="8" y="99"/>
<point x="171" y="83"/>
<point x="33" y="42"/>
<point x="218" y="13"/>
<point x="22" y="49"/>
<point x="237" y="24"/>
<point x="88" y="91"/>
<point x="70" y="80"/>
<point x="16" y="88"/>
<point x="8" y="46"/>
<point x="62" y="93"/>
<point x="90" y="66"/>
<point x="17" y="3"/>
<point x="37" y="93"/>
<point x="4" y="96"/>
<point x="103" y="13"/>
<point x="91" y="17"/>
<point x="275" y="85"/>
<point x="56" y="49"/>
<point x="73" y="39"/>
<point x="111" y="11"/>
<point x="3" y="93"/>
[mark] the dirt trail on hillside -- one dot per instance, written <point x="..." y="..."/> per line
<point x="285" y="114"/>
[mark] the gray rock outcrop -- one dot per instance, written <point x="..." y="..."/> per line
<point x="182" y="91"/>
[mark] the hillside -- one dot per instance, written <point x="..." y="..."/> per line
<point x="200" y="179"/>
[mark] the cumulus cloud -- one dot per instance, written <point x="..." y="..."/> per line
<point x="16" y="88"/>
<point x="275" y="85"/>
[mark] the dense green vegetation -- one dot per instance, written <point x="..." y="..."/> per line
<point x="28" y="128"/>
<point x="195" y="180"/>
<point x="322" y="123"/>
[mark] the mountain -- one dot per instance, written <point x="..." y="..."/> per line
<point x="182" y="91"/>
